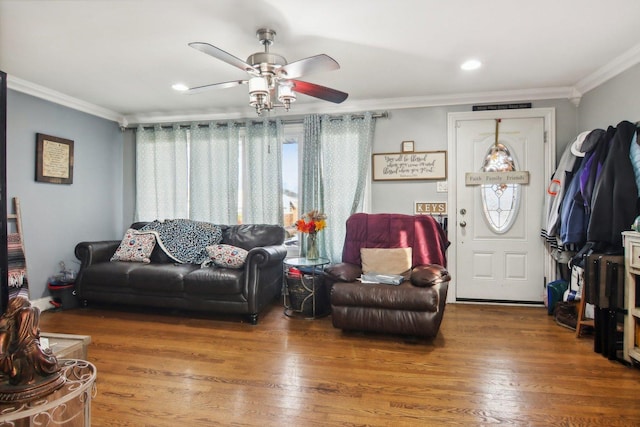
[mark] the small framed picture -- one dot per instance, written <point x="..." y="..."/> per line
<point x="54" y="159"/>
<point x="408" y="147"/>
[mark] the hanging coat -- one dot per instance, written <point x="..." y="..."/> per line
<point x="614" y="203"/>
<point x="556" y="191"/>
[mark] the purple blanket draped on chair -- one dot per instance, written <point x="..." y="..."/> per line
<point x="420" y="232"/>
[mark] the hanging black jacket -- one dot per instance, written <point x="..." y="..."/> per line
<point x="614" y="204"/>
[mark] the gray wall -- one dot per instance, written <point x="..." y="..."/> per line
<point x="56" y="217"/>
<point x="611" y="102"/>
<point x="100" y="202"/>
<point x="427" y="127"/>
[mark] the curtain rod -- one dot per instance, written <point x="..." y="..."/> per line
<point x="383" y="115"/>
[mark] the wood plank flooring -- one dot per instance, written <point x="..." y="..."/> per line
<point x="489" y="365"/>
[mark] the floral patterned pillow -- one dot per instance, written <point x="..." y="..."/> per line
<point x="227" y="256"/>
<point x="135" y="247"/>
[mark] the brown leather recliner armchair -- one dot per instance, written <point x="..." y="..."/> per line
<point x="416" y="306"/>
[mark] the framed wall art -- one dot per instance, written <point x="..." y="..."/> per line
<point x="409" y="166"/>
<point x="408" y="147"/>
<point x="54" y="159"/>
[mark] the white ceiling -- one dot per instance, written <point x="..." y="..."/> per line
<point x="119" y="58"/>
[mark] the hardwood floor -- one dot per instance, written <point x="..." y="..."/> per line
<point x="489" y="365"/>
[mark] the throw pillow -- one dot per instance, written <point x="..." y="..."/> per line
<point x="135" y="247"/>
<point x="227" y="256"/>
<point x="386" y="260"/>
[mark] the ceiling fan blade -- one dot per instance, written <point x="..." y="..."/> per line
<point x="312" y="64"/>
<point x="224" y="56"/>
<point x="321" y="92"/>
<point x="223" y="85"/>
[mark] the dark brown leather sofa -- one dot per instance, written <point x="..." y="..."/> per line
<point x="416" y="306"/>
<point x="166" y="284"/>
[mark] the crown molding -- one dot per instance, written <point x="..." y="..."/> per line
<point x="47" y="94"/>
<point x="572" y="93"/>
<point x="611" y="69"/>
<point x="353" y="106"/>
<point x="468" y="98"/>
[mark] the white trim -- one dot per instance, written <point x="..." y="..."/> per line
<point x="351" y="106"/>
<point x="354" y="106"/>
<point x="573" y="93"/>
<point x="17" y="84"/>
<point x="42" y="303"/>
<point x="611" y="69"/>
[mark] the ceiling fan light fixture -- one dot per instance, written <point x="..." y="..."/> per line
<point x="259" y="94"/>
<point x="273" y="82"/>
<point x="286" y="95"/>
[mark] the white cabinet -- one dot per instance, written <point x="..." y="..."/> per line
<point x="632" y="319"/>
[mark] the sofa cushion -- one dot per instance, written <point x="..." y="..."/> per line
<point x="402" y="297"/>
<point x="135" y="247"/>
<point x="386" y="260"/>
<point x="160" y="277"/>
<point x="248" y="236"/>
<point x="214" y="280"/>
<point x="109" y="274"/>
<point x="227" y="256"/>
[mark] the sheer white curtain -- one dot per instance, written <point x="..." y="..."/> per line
<point x="336" y="163"/>
<point x="262" y="186"/>
<point x="162" y="173"/>
<point x="213" y="189"/>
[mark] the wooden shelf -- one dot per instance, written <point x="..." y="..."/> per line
<point x="631" y="350"/>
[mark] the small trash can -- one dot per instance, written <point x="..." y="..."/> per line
<point x="63" y="295"/>
<point x="306" y="289"/>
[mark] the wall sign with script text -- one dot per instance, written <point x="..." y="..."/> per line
<point x="407" y="166"/>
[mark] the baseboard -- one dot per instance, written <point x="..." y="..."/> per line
<point x="42" y="303"/>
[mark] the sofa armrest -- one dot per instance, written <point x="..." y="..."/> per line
<point x="429" y="275"/>
<point x="264" y="256"/>
<point x="93" y="252"/>
<point x="343" y="272"/>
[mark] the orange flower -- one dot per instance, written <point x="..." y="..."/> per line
<point x="311" y="222"/>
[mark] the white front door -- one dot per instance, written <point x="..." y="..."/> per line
<point x="494" y="264"/>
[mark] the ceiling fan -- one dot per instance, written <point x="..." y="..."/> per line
<point x="272" y="82"/>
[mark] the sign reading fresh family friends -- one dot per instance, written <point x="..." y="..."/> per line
<point x="410" y="165"/>
<point x="482" y="178"/>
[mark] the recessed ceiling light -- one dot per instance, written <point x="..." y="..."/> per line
<point x="472" y="64"/>
<point x="180" y="87"/>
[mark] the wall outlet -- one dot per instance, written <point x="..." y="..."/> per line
<point x="442" y="187"/>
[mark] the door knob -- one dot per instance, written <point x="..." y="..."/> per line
<point x="463" y="224"/>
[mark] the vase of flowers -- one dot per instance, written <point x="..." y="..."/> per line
<point x="311" y="223"/>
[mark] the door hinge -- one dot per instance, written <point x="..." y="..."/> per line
<point x="546" y="136"/>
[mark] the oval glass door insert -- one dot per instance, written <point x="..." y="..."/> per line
<point x="500" y="202"/>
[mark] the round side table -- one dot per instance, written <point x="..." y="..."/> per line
<point x="304" y="296"/>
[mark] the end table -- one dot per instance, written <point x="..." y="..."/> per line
<point x="306" y="288"/>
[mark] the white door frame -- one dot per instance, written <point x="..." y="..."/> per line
<point x="549" y="116"/>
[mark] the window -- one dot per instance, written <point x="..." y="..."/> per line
<point x="291" y="148"/>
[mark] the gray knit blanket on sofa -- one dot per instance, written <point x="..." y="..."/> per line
<point x="184" y="240"/>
